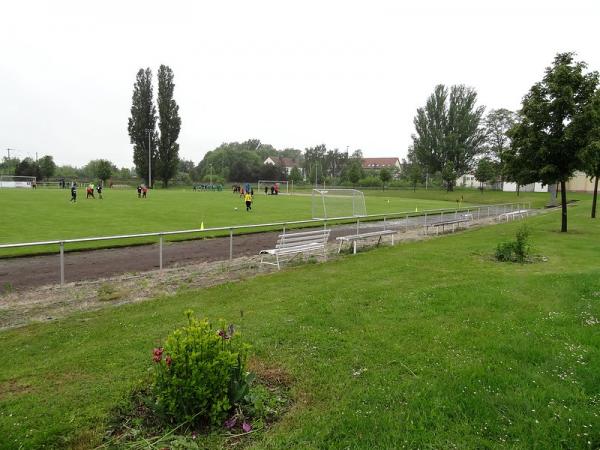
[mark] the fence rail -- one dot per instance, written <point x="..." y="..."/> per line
<point x="480" y="210"/>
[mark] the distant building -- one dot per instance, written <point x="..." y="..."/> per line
<point x="380" y="163"/>
<point x="285" y="163"/>
<point x="467" y="180"/>
<point x="580" y="182"/>
<point x="509" y="186"/>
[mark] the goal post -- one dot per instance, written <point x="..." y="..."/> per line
<point x="282" y="186"/>
<point x="333" y="203"/>
<point x="17" y="181"/>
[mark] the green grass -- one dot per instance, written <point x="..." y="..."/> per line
<point x="460" y="351"/>
<point x="47" y="214"/>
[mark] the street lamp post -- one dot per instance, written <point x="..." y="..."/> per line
<point x="149" y="132"/>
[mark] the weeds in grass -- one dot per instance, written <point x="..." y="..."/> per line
<point x="516" y="251"/>
<point x="109" y="292"/>
<point x="8" y="288"/>
<point x="201" y="384"/>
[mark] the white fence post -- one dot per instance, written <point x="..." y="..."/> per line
<point x="230" y="244"/>
<point x="406" y="223"/>
<point x="62" y="263"/>
<point x="357" y="226"/>
<point x="160" y="252"/>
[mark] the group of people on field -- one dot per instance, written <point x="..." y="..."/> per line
<point x="89" y="191"/>
<point x="142" y="191"/>
<point x="274" y="189"/>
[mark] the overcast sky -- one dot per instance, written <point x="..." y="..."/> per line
<point x="292" y="74"/>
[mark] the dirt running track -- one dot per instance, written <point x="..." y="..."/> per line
<point x="33" y="271"/>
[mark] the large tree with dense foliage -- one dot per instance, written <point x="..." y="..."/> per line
<point x="142" y="124"/>
<point x="169" y="125"/>
<point x="29" y="168"/>
<point x="104" y="170"/>
<point x="448" y="134"/>
<point x="548" y="138"/>
<point x="47" y="166"/>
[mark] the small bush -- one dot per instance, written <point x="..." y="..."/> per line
<point x="517" y="250"/>
<point x="200" y="373"/>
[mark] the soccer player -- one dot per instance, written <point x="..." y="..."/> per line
<point x="99" y="189"/>
<point x="248" y="200"/>
<point x="139" y="190"/>
<point x="74" y="192"/>
<point x="144" y="191"/>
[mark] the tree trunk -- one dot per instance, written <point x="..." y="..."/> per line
<point x="563" y="198"/>
<point x="518" y="190"/>
<point x="594" y="200"/>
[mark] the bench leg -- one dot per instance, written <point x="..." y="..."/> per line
<point x="354" y="247"/>
<point x="340" y="247"/>
<point x="277" y="259"/>
<point x="392" y="239"/>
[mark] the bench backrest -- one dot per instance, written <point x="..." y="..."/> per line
<point x="290" y="240"/>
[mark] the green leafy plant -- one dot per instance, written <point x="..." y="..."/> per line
<point x="517" y="250"/>
<point x="201" y="372"/>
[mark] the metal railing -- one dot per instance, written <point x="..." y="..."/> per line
<point x="384" y="217"/>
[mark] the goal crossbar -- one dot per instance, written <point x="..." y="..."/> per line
<point x="332" y="203"/>
<point x="283" y="185"/>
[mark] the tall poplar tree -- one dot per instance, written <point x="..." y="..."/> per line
<point x="169" y="126"/>
<point x="142" y="126"/>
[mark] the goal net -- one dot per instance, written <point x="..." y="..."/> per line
<point x="17" y="181"/>
<point x="332" y="203"/>
<point x="279" y="186"/>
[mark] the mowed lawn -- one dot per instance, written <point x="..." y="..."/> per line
<point x="428" y="344"/>
<point x="47" y="214"/>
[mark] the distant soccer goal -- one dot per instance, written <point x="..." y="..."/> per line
<point x="280" y="185"/>
<point x="331" y="203"/>
<point x="17" y="181"/>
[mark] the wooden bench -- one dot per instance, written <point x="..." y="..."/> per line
<point x="513" y="214"/>
<point x="289" y="245"/>
<point x="444" y="223"/>
<point x="353" y="238"/>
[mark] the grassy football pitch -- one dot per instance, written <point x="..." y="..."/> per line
<point x="47" y="214"/>
<point x="428" y="344"/>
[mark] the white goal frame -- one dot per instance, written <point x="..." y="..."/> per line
<point x="283" y="186"/>
<point x="350" y="203"/>
<point x="17" y="181"/>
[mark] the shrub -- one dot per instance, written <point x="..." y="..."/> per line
<point x="200" y="373"/>
<point x="517" y="250"/>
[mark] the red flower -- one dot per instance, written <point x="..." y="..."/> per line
<point x="168" y="360"/>
<point x="157" y="354"/>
